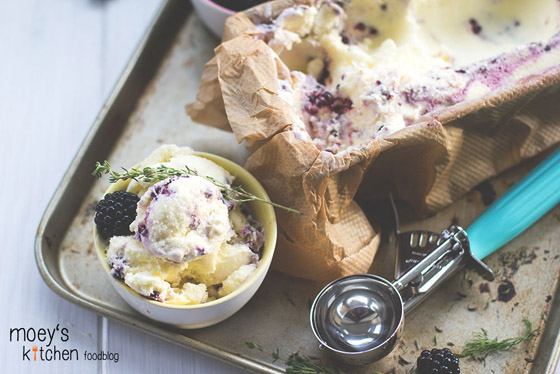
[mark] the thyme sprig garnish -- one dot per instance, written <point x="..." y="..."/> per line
<point x="162" y="172"/>
<point x="482" y="345"/>
<point x="296" y="363"/>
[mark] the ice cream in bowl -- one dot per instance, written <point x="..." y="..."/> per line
<point x="185" y="237"/>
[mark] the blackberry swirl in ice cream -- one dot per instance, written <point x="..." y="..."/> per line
<point x="190" y="244"/>
<point x="363" y="69"/>
<point x="182" y="218"/>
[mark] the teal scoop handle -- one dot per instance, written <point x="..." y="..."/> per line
<point x="518" y="208"/>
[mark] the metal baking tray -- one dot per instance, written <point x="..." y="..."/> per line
<point x="146" y="109"/>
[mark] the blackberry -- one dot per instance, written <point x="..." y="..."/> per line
<point x="475" y="26"/>
<point x="438" y="361"/>
<point x="114" y="214"/>
<point x="320" y="99"/>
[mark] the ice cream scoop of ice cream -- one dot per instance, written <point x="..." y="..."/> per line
<point x="182" y="218"/>
<point x="152" y="277"/>
<point x="191" y="244"/>
<point x="204" y="279"/>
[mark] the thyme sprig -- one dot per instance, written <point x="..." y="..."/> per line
<point x="482" y="345"/>
<point x="161" y="172"/>
<point x="296" y="363"/>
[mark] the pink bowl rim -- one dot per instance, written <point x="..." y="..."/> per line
<point x="219" y="7"/>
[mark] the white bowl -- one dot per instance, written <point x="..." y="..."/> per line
<point x="212" y="312"/>
<point x="212" y="15"/>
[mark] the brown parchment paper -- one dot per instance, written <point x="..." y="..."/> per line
<point x="428" y="164"/>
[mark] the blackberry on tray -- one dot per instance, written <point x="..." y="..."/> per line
<point x="114" y="214"/>
<point x="438" y="361"/>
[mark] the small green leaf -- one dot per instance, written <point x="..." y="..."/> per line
<point x="482" y="345"/>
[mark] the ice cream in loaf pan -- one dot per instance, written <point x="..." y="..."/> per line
<point x="190" y="244"/>
<point x="364" y="69"/>
<point x="269" y="68"/>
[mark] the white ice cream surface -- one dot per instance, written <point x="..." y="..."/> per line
<point x="182" y="218"/>
<point x="189" y="240"/>
<point x="186" y="283"/>
<point x="235" y="279"/>
<point x="363" y="69"/>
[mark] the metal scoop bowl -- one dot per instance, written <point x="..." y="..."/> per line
<point x="359" y="318"/>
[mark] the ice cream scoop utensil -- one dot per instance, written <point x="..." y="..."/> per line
<point x="359" y="318"/>
<point x="411" y="246"/>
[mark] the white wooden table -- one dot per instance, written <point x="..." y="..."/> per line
<point x="59" y="59"/>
